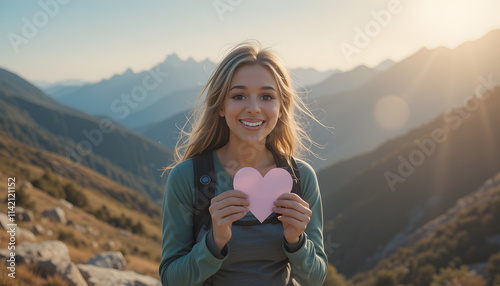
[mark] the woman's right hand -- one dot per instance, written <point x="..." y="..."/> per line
<point x="225" y="209"/>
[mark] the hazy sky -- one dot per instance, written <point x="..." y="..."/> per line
<point x="53" y="40"/>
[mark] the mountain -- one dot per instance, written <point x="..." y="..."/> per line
<point x="342" y="82"/>
<point x="407" y="181"/>
<point x="425" y="84"/>
<point x="43" y="85"/>
<point x="129" y="92"/>
<point x="33" y="118"/>
<point x="467" y="234"/>
<point x="308" y="76"/>
<point x="137" y="99"/>
<point x="166" y="130"/>
<point x="384" y="65"/>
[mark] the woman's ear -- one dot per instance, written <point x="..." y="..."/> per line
<point x="221" y="112"/>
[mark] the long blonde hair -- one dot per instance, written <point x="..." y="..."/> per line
<point x="210" y="131"/>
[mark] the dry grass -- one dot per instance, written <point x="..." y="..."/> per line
<point x="141" y="252"/>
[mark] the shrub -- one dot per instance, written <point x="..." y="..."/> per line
<point x="75" y="196"/>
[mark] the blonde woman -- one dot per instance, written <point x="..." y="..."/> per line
<point x="247" y="119"/>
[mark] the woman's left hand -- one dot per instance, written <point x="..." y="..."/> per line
<point x="295" y="215"/>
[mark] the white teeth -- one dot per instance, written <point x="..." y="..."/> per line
<point x="252" y="124"/>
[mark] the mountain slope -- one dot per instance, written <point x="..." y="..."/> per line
<point x="404" y="186"/>
<point x="342" y="82"/>
<point x="467" y="234"/>
<point x="125" y="157"/>
<point x="426" y="83"/>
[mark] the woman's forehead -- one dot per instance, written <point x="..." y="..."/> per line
<point x="253" y="76"/>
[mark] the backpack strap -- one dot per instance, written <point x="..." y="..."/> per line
<point x="205" y="189"/>
<point x="293" y="170"/>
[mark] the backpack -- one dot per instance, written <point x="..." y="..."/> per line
<point x="205" y="190"/>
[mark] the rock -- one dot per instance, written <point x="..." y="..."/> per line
<point x="38" y="229"/>
<point x="50" y="232"/>
<point x="26" y="234"/>
<point x="110" y="244"/>
<point x="27" y="185"/>
<point x="95" y="244"/>
<point x="23" y="214"/>
<point x="109" y="259"/>
<point x="29" y="252"/>
<point x="67" y="270"/>
<point x="92" y="230"/>
<point x="56" y="214"/>
<point x="80" y="228"/>
<point x="66" y="204"/>
<point x="97" y="276"/>
<point x="4" y="223"/>
<point x="51" y="257"/>
<point x="125" y="233"/>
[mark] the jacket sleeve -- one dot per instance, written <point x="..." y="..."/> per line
<point x="181" y="262"/>
<point x="309" y="262"/>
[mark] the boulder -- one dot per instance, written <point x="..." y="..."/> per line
<point x="67" y="270"/>
<point x="97" y="276"/>
<point x="4" y="223"/>
<point x="23" y="214"/>
<point x="30" y="252"/>
<point x="66" y="204"/>
<point x="38" y="229"/>
<point x="56" y="214"/>
<point x="51" y="257"/>
<point x="109" y="259"/>
<point x="26" y="234"/>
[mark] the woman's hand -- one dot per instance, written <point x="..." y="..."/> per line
<point x="225" y="209"/>
<point x="295" y="215"/>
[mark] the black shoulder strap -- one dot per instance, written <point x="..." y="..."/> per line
<point x="205" y="189"/>
<point x="293" y="170"/>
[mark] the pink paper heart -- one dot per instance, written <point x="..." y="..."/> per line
<point x="262" y="191"/>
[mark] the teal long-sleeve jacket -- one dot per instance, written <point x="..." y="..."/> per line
<point x="255" y="255"/>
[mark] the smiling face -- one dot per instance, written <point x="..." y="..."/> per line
<point x="252" y="105"/>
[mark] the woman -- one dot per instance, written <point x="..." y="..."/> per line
<point x="247" y="117"/>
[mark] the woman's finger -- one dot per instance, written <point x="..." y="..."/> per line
<point x="293" y="214"/>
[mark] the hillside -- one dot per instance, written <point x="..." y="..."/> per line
<point x="36" y="120"/>
<point x="85" y="233"/>
<point x="466" y="234"/>
<point x="387" y="198"/>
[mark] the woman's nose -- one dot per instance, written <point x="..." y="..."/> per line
<point x="253" y="105"/>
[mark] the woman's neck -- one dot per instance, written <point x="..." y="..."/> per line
<point x="235" y="156"/>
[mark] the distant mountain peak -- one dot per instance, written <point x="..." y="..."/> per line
<point x="172" y="59"/>
<point x="129" y="72"/>
<point x="385" y="65"/>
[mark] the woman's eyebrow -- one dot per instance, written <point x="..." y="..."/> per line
<point x="244" y="87"/>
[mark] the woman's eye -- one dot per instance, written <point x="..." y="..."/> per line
<point x="267" y="97"/>
<point x="238" y="96"/>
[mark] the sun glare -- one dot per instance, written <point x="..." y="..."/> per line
<point x="391" y="112"/>
<point x="450" y="20"/>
